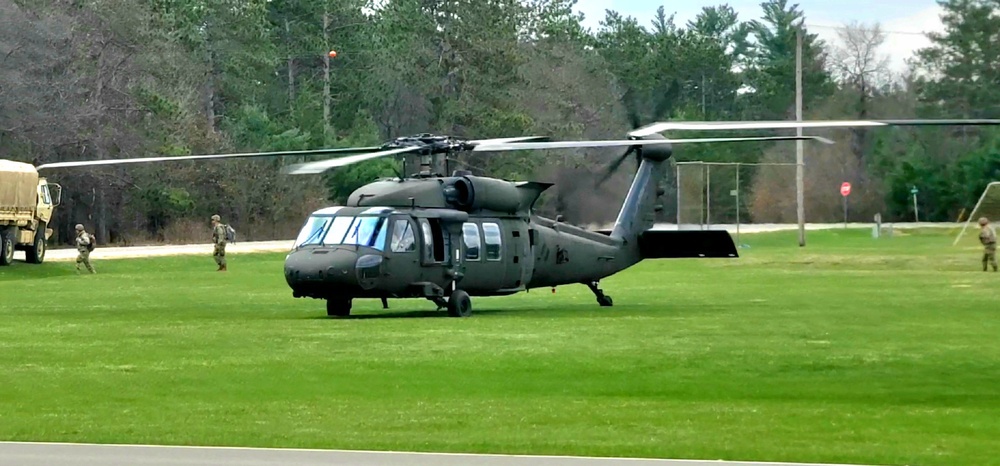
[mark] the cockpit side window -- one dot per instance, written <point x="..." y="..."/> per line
<point x="403" y="239"/>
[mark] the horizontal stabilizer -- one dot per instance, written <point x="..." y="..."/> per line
<point x="658" y="244"/>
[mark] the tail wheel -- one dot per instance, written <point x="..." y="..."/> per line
<point x="6" y="247"/>
<point x="36" y="252"/>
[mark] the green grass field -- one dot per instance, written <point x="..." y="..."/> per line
<point x="851" y="350"/>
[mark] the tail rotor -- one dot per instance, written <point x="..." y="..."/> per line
<point x="662" y="105"/>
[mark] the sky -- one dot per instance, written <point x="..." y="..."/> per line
<point x="898" y="18"/>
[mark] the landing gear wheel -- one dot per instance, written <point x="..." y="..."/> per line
<point x="459" y="304"/>
<point x="6" y="248"/>
<point x="605" y="301"/>
<point x="36" y="252"/>
<point x="338" y="307"/>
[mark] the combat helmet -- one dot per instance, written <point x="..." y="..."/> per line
<point x="79" y="227"/>
<point x="983" y="221"/>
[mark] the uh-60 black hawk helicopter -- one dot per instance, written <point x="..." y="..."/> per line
<point x="447" y="238"/>
<point x="435" y="236"/>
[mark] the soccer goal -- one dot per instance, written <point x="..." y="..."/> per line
<point x="988" y="206"/>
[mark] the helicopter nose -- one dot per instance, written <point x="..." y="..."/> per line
<point x="321" y="272"/>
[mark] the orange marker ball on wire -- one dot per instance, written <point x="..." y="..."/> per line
<point x="333" y="54"/>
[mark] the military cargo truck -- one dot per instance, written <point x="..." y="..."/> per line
<point x="26" y="204"/>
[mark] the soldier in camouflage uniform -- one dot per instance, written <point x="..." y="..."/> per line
<point x="219" y="239"/>
<point x="988" y="237"/>
<point x="82" y="243"/>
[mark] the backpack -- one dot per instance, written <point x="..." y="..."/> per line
<point x="230" y="234"/>
<point x="92" y="243"/>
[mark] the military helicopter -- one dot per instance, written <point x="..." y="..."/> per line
<point x="446" y="238"/>
<point x="434" y="236"/>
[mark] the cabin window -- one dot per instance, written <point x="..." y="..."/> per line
<point x="403" y="239"/>
<point x="435" y="243"/>
<point x="493" y="240"/>
<point x="46" y="197"/>
<point x="441" y="243"/>
<point x="428" y="240"/>
<point x="470" y="234"/>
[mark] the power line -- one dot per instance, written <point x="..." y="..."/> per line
<point x="504" y="42"/>
<point x="883" y="31"/>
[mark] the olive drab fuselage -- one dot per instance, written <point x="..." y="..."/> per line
<point x="377" y="250"/>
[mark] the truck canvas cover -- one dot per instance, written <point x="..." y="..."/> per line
<point x="18" y="189"/>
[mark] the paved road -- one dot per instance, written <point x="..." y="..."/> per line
<point x="61" y="454"/>
<point x="68" y="254"/>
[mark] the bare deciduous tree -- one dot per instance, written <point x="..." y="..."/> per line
<point x="862" y="68"/>
<point x="858" y="61"/>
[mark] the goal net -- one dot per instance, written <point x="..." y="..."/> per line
<point x="988" y="206"/>
<point x="713" y="195"/>
<point x="707" y="195"/>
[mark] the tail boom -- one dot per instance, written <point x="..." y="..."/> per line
<point x="631" y="218"/>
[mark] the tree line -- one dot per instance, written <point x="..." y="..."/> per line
<point x="103" y="79"/>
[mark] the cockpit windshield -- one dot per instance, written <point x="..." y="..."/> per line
<point x="312" y="232"/>
<point x="365" y="230"/>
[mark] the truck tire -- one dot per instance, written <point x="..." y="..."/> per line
<point x="35" y="253"/>
<point x="6" y="247"/>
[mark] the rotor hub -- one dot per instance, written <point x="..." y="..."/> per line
<point x="656" y="153"/>
<point x="431" y="144"/>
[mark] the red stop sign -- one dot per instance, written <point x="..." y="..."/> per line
<point x="845" y="189"/>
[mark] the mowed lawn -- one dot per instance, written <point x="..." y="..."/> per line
<point x="850" y="350"/>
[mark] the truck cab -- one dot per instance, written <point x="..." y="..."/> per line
<point x="27" y="202"/>
<point x="49" y="196"/>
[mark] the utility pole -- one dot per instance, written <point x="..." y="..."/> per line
<point x="799" y="162"/>
<point x="703" y="96"/>
<point x="326" y="75"/>
<point x="291" y="68"/>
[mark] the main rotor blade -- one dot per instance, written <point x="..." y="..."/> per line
<point x="506" y="140"/>
<point x="613" y="166"/>
<point x="732" y="125"/>
<point x="324" y="165"/>
<point x="637" y="142"/>
<point x="86" y="163"/>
